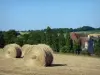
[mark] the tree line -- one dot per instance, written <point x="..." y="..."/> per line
<point x="59" y="39"/>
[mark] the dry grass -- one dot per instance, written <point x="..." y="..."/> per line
<point x="63" y="65"/>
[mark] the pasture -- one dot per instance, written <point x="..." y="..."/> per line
<point x="62" y="65"/>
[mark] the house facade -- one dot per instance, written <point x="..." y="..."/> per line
<point x="87" y="42"/>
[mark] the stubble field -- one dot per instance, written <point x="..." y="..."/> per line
<point x="62" y="65"/>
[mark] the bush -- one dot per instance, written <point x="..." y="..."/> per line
<point x="76" y="47"/>
<point x="64" y="50"/>
<point x="84" y="52"/>
<point x="19" y="41"/>
<point x="10" y="36"/>
<point x="2" y="41"/>
<point x="97" y="47"/>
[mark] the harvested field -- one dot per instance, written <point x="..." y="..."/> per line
<point x="62" y="65"/>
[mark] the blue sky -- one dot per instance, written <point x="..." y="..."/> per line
<point x="38" y="14"/>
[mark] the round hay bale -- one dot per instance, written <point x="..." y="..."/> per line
<point x="39" y="55"/>
<point x="25" y="49"/>
<point x="12" y="51"/>
<point x="46" y="47"/>
<point x="49" y="53"/>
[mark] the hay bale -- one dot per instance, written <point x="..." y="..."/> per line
<point x="49" y="53"/>
<point x="12" y="51"/>
<point x="46" y="47"/>
<point x="39" y="55"/>
<point x="25" y="49"/>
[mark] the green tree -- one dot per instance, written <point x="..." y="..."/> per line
<point x="76" y="47"/>
<point x="49" y="36"/>
<point x="19" y="41"/>
<point x="43" y="37"/>
<point x="55" y="42"/>
<point x="10" y="36"/>
<point x="68" y="43"/>
<point x="61" y="38"/>
<point x="97" y="47"/>
<point x="34" y="38"/>
<point x="64" y="49"/>
<point x="2" y="41"/>
<point x="85" y="28"/>
<point x="25" y="38"/>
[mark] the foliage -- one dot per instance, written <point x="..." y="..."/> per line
<point x="43" y="37"/>
<point x="76" y="47"/>
<point x="10" y="36"/>
<point x="2" y="41"/>
<point x="68" y="42"/>
<point x="64" y="50"/>
<point x="97" y="47"/>
<point x="55" y="42"/>
<point x="19" y="41"/>
<point x="49" y="36"/>
<point x="84" y="52"/>
<point x="58" y="38"/>
<point x="34" y="38"/>
<point x="85" y="28"/>
<point x="61" y="39"/>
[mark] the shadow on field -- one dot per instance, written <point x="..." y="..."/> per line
<point x="54" y="65"/>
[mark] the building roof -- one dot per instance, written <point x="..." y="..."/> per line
<point x="74" y="36"/>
